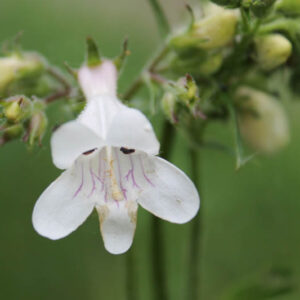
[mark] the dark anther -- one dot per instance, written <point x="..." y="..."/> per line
<point x="89" y="151"/>
<point x="126" y="150"/>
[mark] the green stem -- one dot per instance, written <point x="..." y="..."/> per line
<point x="196" y="234"/>
<point x="158" y="253"/>
<point x="131" y="286"/>
<point x="59" y="77"/>
<point x="150" y="67"/>
<point x="160" y="16"/>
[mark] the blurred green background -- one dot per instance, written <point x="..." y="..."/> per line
<point x="251" y="217"/>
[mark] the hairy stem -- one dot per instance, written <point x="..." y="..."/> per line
<point x="158" y="251"/>
<point x="194" y="282"/>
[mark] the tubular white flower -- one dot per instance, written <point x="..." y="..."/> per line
<point x="109" y="153"/>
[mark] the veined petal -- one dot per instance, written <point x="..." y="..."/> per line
<point x="131" y="129"/>
<point x="171" y="195"/>
<point x="99" y="114"/>
<point x="117" y="225"/>
<point x="98" y="80"/>
<point x="69" y="141"/>
<point x="65" y="204"/>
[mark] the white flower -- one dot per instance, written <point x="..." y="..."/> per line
<point x="109" y="157"/>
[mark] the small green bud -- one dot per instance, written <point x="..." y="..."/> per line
<point x="262" y="120"/>
<point x="261" y="7"/>
<point x="272" y="50"/>
<point x="12" y="111"/>
<point x="11" y="132"/>
<point x="214" y="31"/>
<point x="288" y="7"/>
<point x="246" y="3"/>
<point x="17" y="108"/>
<point x="211" y="65"/>
<point x="169" y="106"/>
<point x="37" y="127"/>
<point x="228" y="3"/>
<point x="187" y="91"/>
<point x="17" y="67"/>
<point x="196" y="63"/>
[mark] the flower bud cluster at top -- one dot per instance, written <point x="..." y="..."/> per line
<point x="28" y="83"/>
<point x="232" y="44"/>
<point x="23" y="85"/>
<point x="226" y="46"/>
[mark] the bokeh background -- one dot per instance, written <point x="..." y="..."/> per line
<point x="251" y="217"/>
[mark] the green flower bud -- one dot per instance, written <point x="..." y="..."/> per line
<point x="288" y="7"/>
<point x="228" y="3"/>
<point x="37" y="127"/>
<point x="197" y="63"/>
<point x="11" y="132"/>
<point x="169" y="106"/>
<point x="211" y="65"/>
<point x="262" y="120"/>
<point x="187" y="91"/>
<point x="214" y="31"/>
<point x="17" y="67"/>
<point x="261" y="7"/>
<point x="12" y="111"/>
<point x="272" y="50"/>
<point x="17" y="108"/>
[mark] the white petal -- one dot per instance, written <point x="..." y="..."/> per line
<point x="69" y="141"/>
<point x="131" y="129"/>
<point x="98" y="80"/>
<point x="64" y="205"/>
<point x="117" y="224"/>
<point x="172" y="195"/>
<point x="99" y="114"/>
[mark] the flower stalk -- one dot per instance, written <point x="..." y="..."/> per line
<point x="196" y="245"/>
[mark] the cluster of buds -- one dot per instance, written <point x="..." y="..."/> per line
<point x="232" y="41"/>
<point x="22" y="118"/>
<point x="21" y="72"/>
<point x="199" y="49"/>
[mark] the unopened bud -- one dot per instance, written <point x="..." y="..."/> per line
<point x="17" y="108"/>
<point x="17" y="67"/>
<point x="272" y="50"/>
<point x="11" y="132"/>
<point x="211" y="65"/>
<point x="37" y="128"/>
<point x="188" y="92"/>
<point x="169" y="106"/>
<point x="12" y="111"/>
<point x="228" y="3"/>
<point x="261" y="7"/>
<point x="214" y="31"/>
<point x="288" y="7"/>
<point x="262" y="120"/>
